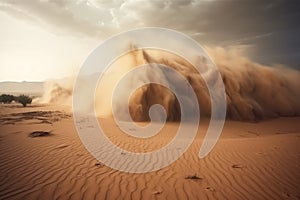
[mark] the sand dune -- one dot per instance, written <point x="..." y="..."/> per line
<point x="250" y="161"/>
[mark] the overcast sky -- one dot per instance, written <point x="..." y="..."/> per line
<point x="41" y="39"/>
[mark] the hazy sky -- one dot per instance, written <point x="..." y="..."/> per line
<point x="41" y="39"/>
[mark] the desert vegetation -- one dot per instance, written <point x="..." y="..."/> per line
<point x="22" y="99"/>
<point x="6" y="98"/>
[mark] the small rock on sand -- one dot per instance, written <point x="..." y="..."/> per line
<point x="39" y="134"/>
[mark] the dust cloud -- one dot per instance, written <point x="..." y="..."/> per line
<point x="254" y="92"/>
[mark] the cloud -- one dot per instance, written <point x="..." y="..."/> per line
<point x="58" y="15"/>
<point x="222" y="20"/>
<point x="271" y="25"/>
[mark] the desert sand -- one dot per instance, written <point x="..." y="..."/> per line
<point x="250" y="161"/>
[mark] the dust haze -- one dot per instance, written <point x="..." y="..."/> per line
<point x="254" y="92"/>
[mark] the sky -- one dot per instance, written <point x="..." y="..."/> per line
<point x="44" y="39"/>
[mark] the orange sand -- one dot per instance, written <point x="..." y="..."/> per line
<point x="250" y="161"/>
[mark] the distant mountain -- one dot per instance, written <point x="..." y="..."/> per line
<point x="29" y="88"/>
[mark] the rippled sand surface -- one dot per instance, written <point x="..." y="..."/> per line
<point x="250" y="161"/>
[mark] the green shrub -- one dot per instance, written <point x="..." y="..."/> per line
<point x="24" y="100"/>
<point x="6" y="98"/>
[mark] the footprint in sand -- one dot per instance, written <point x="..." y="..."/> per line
<point x="209" y="189"/>
<point x="194" y="178"/>
<point x="157" y="192"/>
<point x="237" y="166"/>
<point x="99" y="165"/>
<point x="62" y="146"/>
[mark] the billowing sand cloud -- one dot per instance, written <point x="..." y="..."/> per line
<point x="58" y="91"/>
<point x="254" y="92"/>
